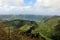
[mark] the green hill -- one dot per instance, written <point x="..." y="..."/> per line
<point x="31" y="30"/>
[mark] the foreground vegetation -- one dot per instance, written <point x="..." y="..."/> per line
<point x="30" y="30"/>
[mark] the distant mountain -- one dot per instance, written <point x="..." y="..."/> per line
<point x="43" y="18"/>
<point x="24" y="17"/>
<point x="53" y="17"/>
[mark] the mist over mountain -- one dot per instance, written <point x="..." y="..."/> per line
<point x="24" y="17"/>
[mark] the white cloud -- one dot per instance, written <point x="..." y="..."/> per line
<point x="55" y="4"/>
<point x="50" y="5"/>
<point x="18" y="2"/>
<point x="0" y="3"/>
<point x="18" y="5"/>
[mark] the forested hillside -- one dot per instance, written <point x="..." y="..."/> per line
<point x="30" y="30"/>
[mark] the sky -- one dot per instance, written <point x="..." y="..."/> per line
<point x="33" y="7"/>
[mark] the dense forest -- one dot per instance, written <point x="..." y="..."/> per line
<point x="17" y="29"/>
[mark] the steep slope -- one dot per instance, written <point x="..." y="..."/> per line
<point x="47" y="29"/>
<point x="21" y="29"/>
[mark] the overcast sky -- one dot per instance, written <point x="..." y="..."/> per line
<point x="35" y="7"/>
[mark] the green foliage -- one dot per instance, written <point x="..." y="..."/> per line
<point x="48" y="30"/>
<point x="25" y="27"/>
<point x="56" y="34"/>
